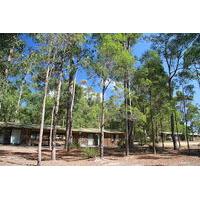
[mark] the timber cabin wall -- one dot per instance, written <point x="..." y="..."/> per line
<point x="112" y="140"/>
<point x="25" y="138"/>
<point x="30" y="136"/>
<point x="81" y="138"/>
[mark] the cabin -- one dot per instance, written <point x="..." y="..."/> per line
<point x="28" y="135"/>
<point x="182" y="136"/>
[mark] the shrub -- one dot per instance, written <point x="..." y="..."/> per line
<point x="75" y="145"/>
<point x="90" y="152"/>
<point x="121" y="144"/>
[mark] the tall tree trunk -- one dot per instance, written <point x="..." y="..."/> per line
<point x="162" y="134"/>
<point x="42" y="118"/>
<point x="19" y="99"/>
<point x="130" y="120"/>
<point x="179" y="142"/>
<point x="128" y="114"/>
<point x="187" y="137"/>
<point x="5" y="76"/>
<point x="126" y="117"/>
<point x="141" y="139"/>
<point x="172" y="115"/>
<point x="55" y="120"/>
<point x="145" y="135"/>
<point x="21" y="89"/>
<point x="51" y="129"/>
<point x="70" y="104"/>
<point x="10" y="56"/>
<point x="102" y="121"/>
<point x="152" y="125"/>
<point x="157" y="139"/>
<point x="153" y="134"/>
<point x="186" y="126"/>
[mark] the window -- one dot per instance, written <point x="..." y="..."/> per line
<point x="34" y="136"/>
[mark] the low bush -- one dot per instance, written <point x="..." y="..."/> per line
<point x="90" y="152"/>
<point x="75" y="145"/>
<point x="121" y="144"/>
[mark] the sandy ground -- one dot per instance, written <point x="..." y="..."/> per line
<point x="141" y="156"/>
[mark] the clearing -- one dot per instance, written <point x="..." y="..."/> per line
<point x="142" y="156"/>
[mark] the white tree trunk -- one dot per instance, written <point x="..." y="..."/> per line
<point x="55" y="120"/>
<point x="51" y="129"/>
<point x="42" y="118"/>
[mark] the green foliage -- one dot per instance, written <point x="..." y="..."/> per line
<point x="90" y="152"/>
<point x="86" y="115"/>
<point x="121" y="144"/>
<point x="107" y="57"/>
<point x="75" y="145"/>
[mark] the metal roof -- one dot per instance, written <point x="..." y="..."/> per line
<point x="169" y="133"/>
<point x="59" y="128"/>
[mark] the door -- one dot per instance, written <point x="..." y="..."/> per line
<point x="5" y="136"/>
<point x="15" y="136"/>
<point x="96" y="140"/>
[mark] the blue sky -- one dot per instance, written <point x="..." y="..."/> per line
<point x="143" y="46"/>
<point x="138" y="51"/>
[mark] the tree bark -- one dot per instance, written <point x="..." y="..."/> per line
<point x="19" y="99"/>
<point x="157" y="138"/>
<point x="55" y="120"/>
<point x="154" y="138"/>
<point x="162" y="135"/>
<point x="187" y="138"/>
<point x="5" y="77"/>
<point x="129" y="113"/>
<point x="172" y="115"/>
<point x="152" y="125"/>
<point x="126" y="117"/>
<point x="179" y="142"/>
<point x="70" y="105"/>
<point x="102" y="121"/>
<point x="42" y="118"/>
<point x="186" y="126"/>
<point x="21" y="89"/>
<point x="51" y="130"/>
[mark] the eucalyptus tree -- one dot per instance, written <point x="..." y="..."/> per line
<point x="177" y="119"/>
<point x="23" y="71"/>
<point x="125" y="70"/>
<point x="104" y="65"/>
<point x="192" y="57"/>
<point x="11" y="47"/>
<point x="172" y="48"/>
<point x="185" y="96"/>
<point x="46" y="58"/>
<point x="54" y="64"/>
<point x="10" y="44"/>
<point x="55" y="115"/>
<point x="154" y="79"/>
<point x="74" y="53"/>
<point x="58" y="75"/>
<point x="193" y="115"/>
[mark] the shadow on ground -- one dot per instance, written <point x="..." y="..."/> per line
<point x="142" y="152"/>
